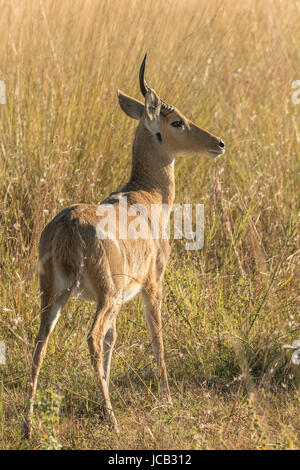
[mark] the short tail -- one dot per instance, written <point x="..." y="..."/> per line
<point x="68" y="249"/>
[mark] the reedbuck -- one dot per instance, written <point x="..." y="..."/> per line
<point x="75" y="259"/>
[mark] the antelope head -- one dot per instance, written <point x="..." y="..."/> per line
<point x="167" y="124"/>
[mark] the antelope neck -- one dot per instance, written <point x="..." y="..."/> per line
<point x="152" y="168"/>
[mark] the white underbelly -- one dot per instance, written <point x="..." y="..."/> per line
<point x="84" y="289"/>
<point x="130" y="293"/>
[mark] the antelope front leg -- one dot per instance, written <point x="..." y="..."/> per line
<point x="151" y="307"/>
<point x="109" y="342"/>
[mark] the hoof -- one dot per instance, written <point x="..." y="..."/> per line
<point x="113" y="423"/>
<point x="26" y="431"/>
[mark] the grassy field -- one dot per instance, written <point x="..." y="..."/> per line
<point x="229" y="308"/>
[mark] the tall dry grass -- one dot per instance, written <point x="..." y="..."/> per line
<point x="228" y="65"/>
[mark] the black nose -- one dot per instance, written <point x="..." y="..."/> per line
<point x="221" y="144"/>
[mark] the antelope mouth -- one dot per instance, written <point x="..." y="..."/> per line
<point x="216" y="152"/>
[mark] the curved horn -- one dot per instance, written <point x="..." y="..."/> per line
<point x="143" y="84"/>
<point x="165" y="108"/>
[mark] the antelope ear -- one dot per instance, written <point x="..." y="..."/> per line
<point x="133" y="108"/>
<point x="152" y="105"/>
<point x="152" y="111"/>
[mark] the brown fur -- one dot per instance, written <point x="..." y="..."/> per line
<point x="74" y="260"/>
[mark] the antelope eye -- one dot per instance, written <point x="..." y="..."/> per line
<point x="177" y="124"/>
